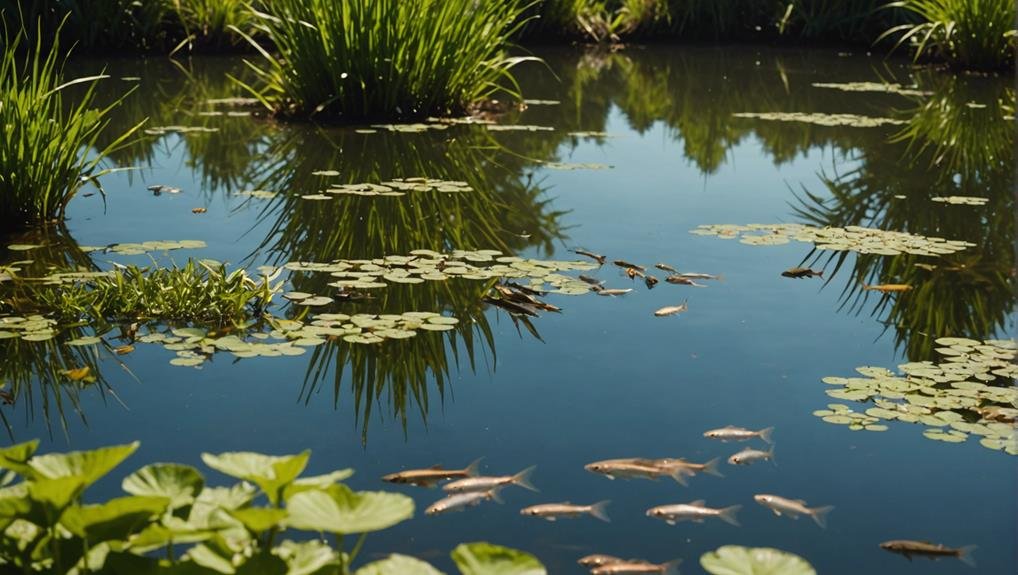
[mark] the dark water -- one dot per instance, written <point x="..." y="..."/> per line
<point x="609" y="379"/>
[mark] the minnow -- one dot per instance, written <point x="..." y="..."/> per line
<point x="666" y="268"/>
<point x="887" y="288"/>
<point x="650" y="281"/>
<point x="598" y="559"/>
<point x="460" y="501"/>
<point x="695" y="511"/>
<point x="633" y="273"/>
<point x="700" y="276"/>
<point x="679" y="280"/>
<point x="748" y="456"/>
<point x="625" y="264"/>
<point x="688" y="467"/>
<point x="614" y="291"/>
<point x="552" y="511"/>
<point x="802" y="273"/>
<point x="596" y="257"/>
<point x="430" y="477"/>
<point x="637" y="468"/>
<point x="521" y="479"/>
<point x="636" y="567"/>
<point x="794" y="508"/>
<point x="591" y="281"/>
<point x="671" y="310"/>
<point x="930" y="550"/>
<point x="732" y="433"/>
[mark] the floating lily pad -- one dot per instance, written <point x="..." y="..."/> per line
<point x="736" y="560"/>
<point x="849" y="120"/>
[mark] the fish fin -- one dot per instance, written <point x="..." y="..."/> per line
<point x="522" y="478"/>
<point x="765" y="434"/>
<point x="699" y="502"/>
<point x="720" y="278"/>
<point x="671" y="568"/>
<point x="712" y="467"/>
<point x="965" y="554"/>
<point x="679" y="475"/>
<point x="820" y="515"/>
<point x="728" y="515"/>
<point x="610" y="476"/>
<point x="820" y="274"/>
<point x="670" y="521"/>
<point x="436" y="466"/>
<point x="599" y="510"/>
<point x="496" y="496"/>
<point x="550" y="518"/>
<point x="474" y="467"/>
<point x="770" y="455"/>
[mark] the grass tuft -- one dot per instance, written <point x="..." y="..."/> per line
<point x="966" y="33"/>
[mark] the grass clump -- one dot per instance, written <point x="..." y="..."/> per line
<point x="354" y="60"/>
<point x="966" y="33"/>
<point x="212" y="24"/>
<point x="49" y="147"/>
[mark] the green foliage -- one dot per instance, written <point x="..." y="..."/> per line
<point x="737" y="560"/>
<point x="44" y="526"/>
<point x="49" y="149"/>
<point x="212" y="24"/>
<point x="965" y="33"/>
<point x="354" y="60"/>
<point x="92" y="24"/>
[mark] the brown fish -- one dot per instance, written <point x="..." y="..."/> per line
<point x="641" y="468"/>
<point x="199" y="210"/>
<point x="887" y="288"/>
<point x="671" y="310"/>
<point x="929" y="550"/>
<point x="552" y="511"/>
<point x="666" y="268"/>
<point x="596" y="257"/>
<point x="637" y="567"/>
<point x="802" y="273"/>
<point x="682" y="281"/>
<point x="598" y="559"/>
<point x="431" y="476"/>
<point x="634" y="273"/>
<point x="650" y="281"/>
<point x="624" y="264"/>
<point x="591" y="281"/>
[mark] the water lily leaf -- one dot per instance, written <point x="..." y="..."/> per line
<point x="736" y="560"/>
<point x="89" y="466"/>
<point x="341" y="510"/>
<point x="180" y="484"/>
<point x="487" y="559"/>
<point x="320" y="482"/>
<point x="396" y="564"/>
<point x="15" y="458"/>
<point x="187" y="361"/>
<point x="115" y="519"/>
<point x="259" y="519"/>
<point x="307" y="557"/>
<point x="87" y="340"/>
<point x="271" y="473"/>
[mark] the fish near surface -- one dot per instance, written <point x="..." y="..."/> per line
<point x="671" y="466"/>
<point x="732" y="433"/>
<point x="599" y="559"/>
<point x="802" y="273"/>
<point x="460" y="501"/>
<point x="930" y="550"/>
<point x="682" y="281"/>
<point x="671" y="310"/>
<point x="749" y="456"/>
<point x="600" y="259"/>
<point x="699" y="276"/>
<point x="431" y="476"/>
<point x="521" y="479"/>
<point x="591" y="281"/>
<point x="552" y="511"/>
<point x="624" y="264"/>
<point x="887" y="288"/>
<point x="637" y="567"/>
<point x="794" y="508"/>
<point x="695" y="511"/>
<point x="613" y="291"/>
<point x="666" y="268"/>
<point x="635" y="468"/>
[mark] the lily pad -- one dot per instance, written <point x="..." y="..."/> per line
<point x="489" y="559"/>
<point x="737" y="560"/>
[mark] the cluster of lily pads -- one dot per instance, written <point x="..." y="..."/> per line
<point x="954" y="399"/>
<point x="394" y="187"/>
<point x="163" y="130"/>
<point x="850" y="120"/>
<point x="962" y="200"/>
<point x="30" y="328"/>
<point x="887" y="88"/>
<point x="428" y="265"/>
<point x="850" y="238"/>
<point x="136" y="249"/>
<point x="258" y="194"/>
<point x="518" y="128"/>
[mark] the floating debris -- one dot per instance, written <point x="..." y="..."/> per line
<point x="962" y="200"/>
<point x="518" y="128"/>
<point x="199" y="210"/>
<point x="850" y="120"/>
<point x="596" y="257"/>
<point x="163" y="130"/>
<point x="873" y="87"/>
<point x="23" y="247"/>
<point x="590" y="134"/>
<point x="325" y="173"/>
<point x="576" y="166"/>
<point x="400" y="186"/>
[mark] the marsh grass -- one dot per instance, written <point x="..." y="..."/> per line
<point x="965" y="33"/>
<point x="213" y="24"/>
<point x="355" y="60"/>
<point x="49" y="149"/>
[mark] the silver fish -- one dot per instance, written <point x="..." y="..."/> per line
<point x="732" y="433"/>
<point x="635" y="468"/>
<point x="598" y="559"/>
<point x="637" y="567"/>
<point x="552" y="511"/>
<point x="672" y="466"/>
<point x="793" y="508"/>
<point x="614" y="291"/>
<point x="749" y="455"/>
<point x="460" y="501"/>
<point x="699" y="276"/>
<point x="679" y="280"/>
<point x="695" y="511"/>
<point x="431" y="476"/>
<point x="666" y="268"/>
<point x="522" y="479"/>
<point x="671" y="310"/>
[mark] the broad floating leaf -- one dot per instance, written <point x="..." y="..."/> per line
<point x="737" y="560"/>
<point x="488" y="559"/>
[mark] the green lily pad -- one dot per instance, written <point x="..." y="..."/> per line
<point x="396" y="564"/>
<point x="341" y="510"/>
<point x="488" y="559"/>
<point x="737" y="560"/>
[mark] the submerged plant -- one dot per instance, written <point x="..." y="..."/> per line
<point x="965" y="33"/>
<point x="48" y="151"/>
<point x="350" y="60"/>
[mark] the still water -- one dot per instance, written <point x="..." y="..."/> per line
<point x="604" y="378"/>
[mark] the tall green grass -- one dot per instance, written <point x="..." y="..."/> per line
<point x="352" y="60"/>
<point x="966" y="33"/>
<point x="48" y="150"/>
<point x="211" y="24"/>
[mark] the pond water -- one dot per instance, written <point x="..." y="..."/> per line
<point x="655" y="152"/>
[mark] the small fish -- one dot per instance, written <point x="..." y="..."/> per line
<point x="930" y="550"/>
<point x="77" y="374"/>
<point x="802" y="273"/>
<point x="794" y="508"/>
<point x="732" y="433"/>
<point x="699" y="276"/>
<point x="614" y="291"/>
<point x="198" y="210"/>
<point x="431" y="476"/>
<point x="887" y="288"/>
<point x="521" y="479"/>
<point x="636" y="567"/>
<point x="696" y="511"/>
<point x="671" y="466"/>
<point x="650" y="281"/>
<point x="591" y="281"/>
<point x="666" y="268"/>
<point x="624" y="264"/>
<point x="748" y="456"/>
<point x="598" y="559"/>
<point x="634" y="273"/>
<point x="596" y="257"/>
<point x="123" y="350"/>
<point x="671" y="310"/>
<point x="552" y="511"/>
<point x="159" y="190"/>
<point x="633" y="468"/>
<point x="460" y="501"/>
<point x="682" y="281"/>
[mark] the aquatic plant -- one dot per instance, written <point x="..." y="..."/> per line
<point x="965" y="33"/>
<point x="213" y="24"/>
<point x="92" y="24"/>
<point x="737" y="560"/>
<point x="352" y="60"/>
<point x="49" y="150"/>
<point x="169" y="510"/>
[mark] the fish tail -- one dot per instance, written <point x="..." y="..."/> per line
<point x="721" y="277"/>
<point x="474" y="468"/>
<point x="770" y="455"/>
<point x="495" y="495"/>
<point x="728" y="515"/>
<point x="866" y="286"/>
<point x="671" y="568"/>
<point x="679" y="475"/>
<point x="765" y="434"/>
<point x="820" y="515"/>
<point x="600" y="510"/>
<point x="523" y="478"/>
<point x="820" y="274"/>
<point x="965" y="555"/>
<point x="712" y="467"/>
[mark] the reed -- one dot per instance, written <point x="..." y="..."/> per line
<point x="965" y="33"/>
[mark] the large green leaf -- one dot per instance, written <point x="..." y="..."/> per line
<point x="340" y="510"/>
<point x="308" y="557"/>
<point x="88" y="465"/>
<point x="259" y="519"/>
<point x="49" y="497"/>
<point x="736" y="560"/>
<point x="15" y="457"/>
<point x="486" y="559"/>
<point x="271" y="473"/>
<point x="114" y="519"/>
<point x="208" y="557"/>
<point x="155" y="536"/>
<point x="179" y="483"/>
<point x="263" y="564"/>
<point x="14" y="501"/>
<point x="316" y="482"/>
<point x="396" y="564"/>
